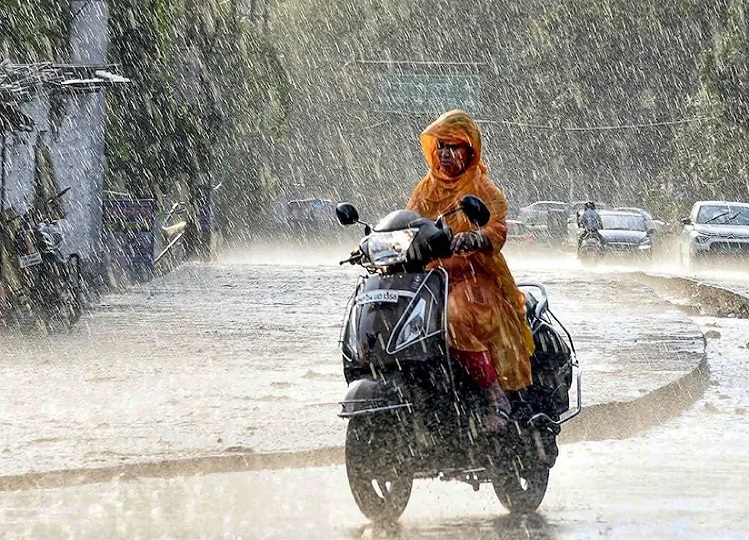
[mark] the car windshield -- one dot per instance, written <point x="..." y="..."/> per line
<point x="640" y="211"/>
<point x="619" y="222"/>
<point x="723" y="214"/>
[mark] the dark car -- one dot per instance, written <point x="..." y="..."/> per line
<point x="309" y="215"/>
<point x="536" y="214"/>
<point x="624" y="234"/>
<point x="655" y="226"/>
<point x="518" y="234"/>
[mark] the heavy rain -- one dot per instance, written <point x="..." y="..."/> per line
<point x="374" y="269"/>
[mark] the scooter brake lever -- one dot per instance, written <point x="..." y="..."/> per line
<point x="356" y="256"/>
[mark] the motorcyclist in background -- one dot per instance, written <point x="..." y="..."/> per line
<point x="590" y="223"/>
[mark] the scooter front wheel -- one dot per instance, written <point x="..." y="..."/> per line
<point x="380" y="480"/>
<point x="521" y="486"/>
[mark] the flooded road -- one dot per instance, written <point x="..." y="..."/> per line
<point x="683" y="479"/>
<point x="240" y="359"/>
<point x="243" y="357"/>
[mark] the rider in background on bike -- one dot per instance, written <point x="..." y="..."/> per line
<point x="489" y="335"/>
<point x="590" y="222"/>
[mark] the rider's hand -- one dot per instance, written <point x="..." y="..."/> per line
<point x="470" y="241"/>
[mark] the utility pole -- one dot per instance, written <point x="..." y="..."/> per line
<point x="88" y="32"/>
<point x="3" y="157"/>
<point x="88" y="49"/>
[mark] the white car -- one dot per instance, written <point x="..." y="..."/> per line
<point x="715" y="228"/>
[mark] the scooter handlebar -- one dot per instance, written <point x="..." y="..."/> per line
<point x="356" y="256"/>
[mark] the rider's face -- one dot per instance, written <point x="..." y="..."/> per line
<point x="453" y="157"/>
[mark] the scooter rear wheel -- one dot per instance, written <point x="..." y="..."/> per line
<point x="379" y="479"/>
<point x="521" y="486"/>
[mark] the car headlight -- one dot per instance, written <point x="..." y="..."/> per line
<point x="645" y="244"/>
<point x="698" y="238"/>
<point x="386" y="248"/>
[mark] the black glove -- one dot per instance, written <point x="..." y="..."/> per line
<point x="470" y="241"/>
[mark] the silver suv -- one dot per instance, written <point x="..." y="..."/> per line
<point x="715" y="227"/>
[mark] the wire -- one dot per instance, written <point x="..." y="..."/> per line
<point x="549" y="127"/>
<point x="598" y="128"/>
<point x="378" y="124"/>
<point x="80" y="10"/>
<point x="412" y="63"/>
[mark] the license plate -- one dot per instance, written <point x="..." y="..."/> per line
<point x="31" y="259"/>
<point x="379" y="295"/>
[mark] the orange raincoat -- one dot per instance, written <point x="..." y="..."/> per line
<point x="486" y="309"/>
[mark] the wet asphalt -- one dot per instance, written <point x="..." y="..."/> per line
<point x="241" y="357"/>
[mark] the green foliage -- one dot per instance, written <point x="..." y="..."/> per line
<point x="211" y="99"/>
<point x="34" y="30"/>
<point x="542" y="62"/>
<point x="147" y="130"/>
<point x="209" y="94"/>
<point x="553" y="63"/>
<point x="710" y="158"/>
<point x="595" y="63"/>
<point x="205" y="81"/>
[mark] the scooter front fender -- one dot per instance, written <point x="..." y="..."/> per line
<point x="369" y="396"/>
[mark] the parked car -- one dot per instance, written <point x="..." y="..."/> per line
<point x="518" y="234"/>
<point x="624" y="234"/>
<point x="715" y="228"/>
<point x="309" y="215"/>
<point x="538" y="212"/>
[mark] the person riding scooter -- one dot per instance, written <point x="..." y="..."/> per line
<point x="489" y="335"/>
<point x="590" y="223"/>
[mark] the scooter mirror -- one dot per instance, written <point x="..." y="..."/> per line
<point x="475" y="210"/>
<point x="346" y="214"/>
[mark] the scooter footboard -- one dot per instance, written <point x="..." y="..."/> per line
<point x="369" y="396"/>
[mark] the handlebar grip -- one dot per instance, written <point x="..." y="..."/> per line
<point x="355" y="257"/>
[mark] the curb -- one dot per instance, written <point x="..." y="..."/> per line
<point x="625" y="419"/>
<point x="704" y="298"/>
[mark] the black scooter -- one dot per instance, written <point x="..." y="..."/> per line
<point x="413" y="412"/>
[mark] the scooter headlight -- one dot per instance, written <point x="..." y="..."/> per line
<point x="386" y="248"/>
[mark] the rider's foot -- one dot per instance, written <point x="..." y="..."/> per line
<point x="500" y="408"/>
<point x="495" y="422"/>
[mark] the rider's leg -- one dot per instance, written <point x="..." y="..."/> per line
<point x="480" y="368"/>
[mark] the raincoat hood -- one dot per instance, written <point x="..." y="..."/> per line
<point x="453" y="127"/>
